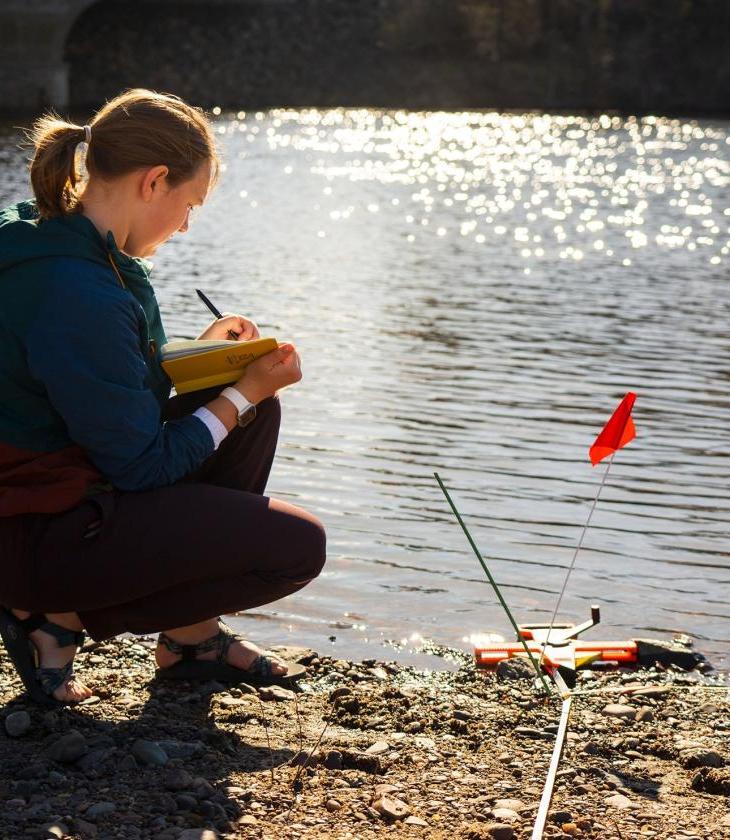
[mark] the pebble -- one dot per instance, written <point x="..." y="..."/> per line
<point x="620" y="710"/>
<point x="232" y="702"/>
<point x="513" y="804"/>
<point x="149" y="752"/>
<point x="17" y="724"/>
<point x="500" y="831"/>
<point x="68" y="748"/>
<point x="86" y="829"/>
<point x="514" y="669"/>
<point x="618" y="800"/>
<point x="416" y="821"/>
<point x="186" y="802"/>
<point x="332" y="805"/>
<point x="248" y="819"/>
<point x="304" y="759"/>
<point x="333" y="760"/>
<point x="342" y="691"/>
<point x="198" y="834"/>
<point x="276" y="693"/>
<point x="531" y="732"/>
<point x="129" y="762"/>
<point x="644" y="715"/>
<point x="384" y="790"/>
<point x="177" y="779"/>
<point x="378" y="748"/>
<point x="701" y="758"/>
<point x="100" y="809"/>
<point x="182" y="749"/>
<point x="394" y="809"/>
<point x="655" y="692"/>
<point x="505" y="815"/>
<point x="570" y="828"/>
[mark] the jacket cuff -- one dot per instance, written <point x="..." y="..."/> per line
<point x="217" y="430"/>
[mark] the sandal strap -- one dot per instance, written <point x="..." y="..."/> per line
<point x="261" y="667"/>
<point x="220" y="643"/>
<point x="63" y="636"/>
<point x="51" y="678"/>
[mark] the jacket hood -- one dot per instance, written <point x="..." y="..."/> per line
<point x="24" y="237"/>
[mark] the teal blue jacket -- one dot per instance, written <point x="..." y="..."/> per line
<point x="81" y="385"/>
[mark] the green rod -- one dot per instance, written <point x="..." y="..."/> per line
<point x="538" y="671"/>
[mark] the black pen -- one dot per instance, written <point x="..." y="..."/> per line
<point x="215" y="311"/>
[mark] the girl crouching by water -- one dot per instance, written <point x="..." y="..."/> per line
<point x="122" y="509"/>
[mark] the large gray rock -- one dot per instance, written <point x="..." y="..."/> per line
<point x="17" y="724"/>
<point x="701" y="758"/>
<point x="68" y="748"/>
<point x="100" y="809"/>
<point x="149" y="753"/>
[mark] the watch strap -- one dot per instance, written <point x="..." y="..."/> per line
<point x="237" y="398"/>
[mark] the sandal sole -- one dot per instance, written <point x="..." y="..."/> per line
<point x="202" y="670"/>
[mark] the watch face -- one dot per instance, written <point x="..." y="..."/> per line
<point x="247" y="415"/>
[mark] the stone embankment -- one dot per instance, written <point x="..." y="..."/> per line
<point x="362" y="750"/>
<point x="628" y="55"/>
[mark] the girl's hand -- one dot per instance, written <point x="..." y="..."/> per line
<point x="242" y="327"/>
<point x="266" y="375"/>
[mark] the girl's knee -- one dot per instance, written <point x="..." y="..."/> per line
<point x="311" y="548"/>
<point x="318" y="554"/>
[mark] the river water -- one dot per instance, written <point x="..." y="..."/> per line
<point x="473" y="293"/>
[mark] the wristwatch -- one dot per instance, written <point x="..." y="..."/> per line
<point x="246" y="410"/>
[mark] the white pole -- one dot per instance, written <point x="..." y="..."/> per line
<point x="575" y="557"/>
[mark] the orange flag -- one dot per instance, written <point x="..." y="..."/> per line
<point x="616" y="433"/>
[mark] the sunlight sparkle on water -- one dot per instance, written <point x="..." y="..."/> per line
<point x="511" y="174"/>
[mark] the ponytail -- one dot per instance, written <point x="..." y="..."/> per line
<point x="53" y="172"/>
<point x="136" y="130"/>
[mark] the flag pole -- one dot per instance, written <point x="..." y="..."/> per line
<point x="538" y="671"/>
<point x="575" y="556"/>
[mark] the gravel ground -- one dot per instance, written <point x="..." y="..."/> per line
<point x="362" y="750"/>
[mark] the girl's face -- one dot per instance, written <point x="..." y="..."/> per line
<point x="164" y="210"/>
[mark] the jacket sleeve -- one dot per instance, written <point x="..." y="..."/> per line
<point x="85" y="347"/>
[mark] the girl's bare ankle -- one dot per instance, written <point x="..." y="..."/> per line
<point x="193" y="633"/>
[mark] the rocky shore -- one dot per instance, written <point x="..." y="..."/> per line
<point x="362" y="750"/>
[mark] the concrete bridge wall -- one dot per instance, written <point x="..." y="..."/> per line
<point x="630" y="55"/>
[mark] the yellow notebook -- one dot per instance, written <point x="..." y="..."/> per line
<point x="194" y="365"/>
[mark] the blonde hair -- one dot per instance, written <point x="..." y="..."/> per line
<point x="136" y="130"/>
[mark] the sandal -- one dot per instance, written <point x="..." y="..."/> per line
<point x="40" y="683"/>
<point x="190" y="668"/>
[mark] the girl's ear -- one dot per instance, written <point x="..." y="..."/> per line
<point x="152" y="181"/>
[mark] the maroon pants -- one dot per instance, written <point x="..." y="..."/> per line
<point x="147" y="561"/>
